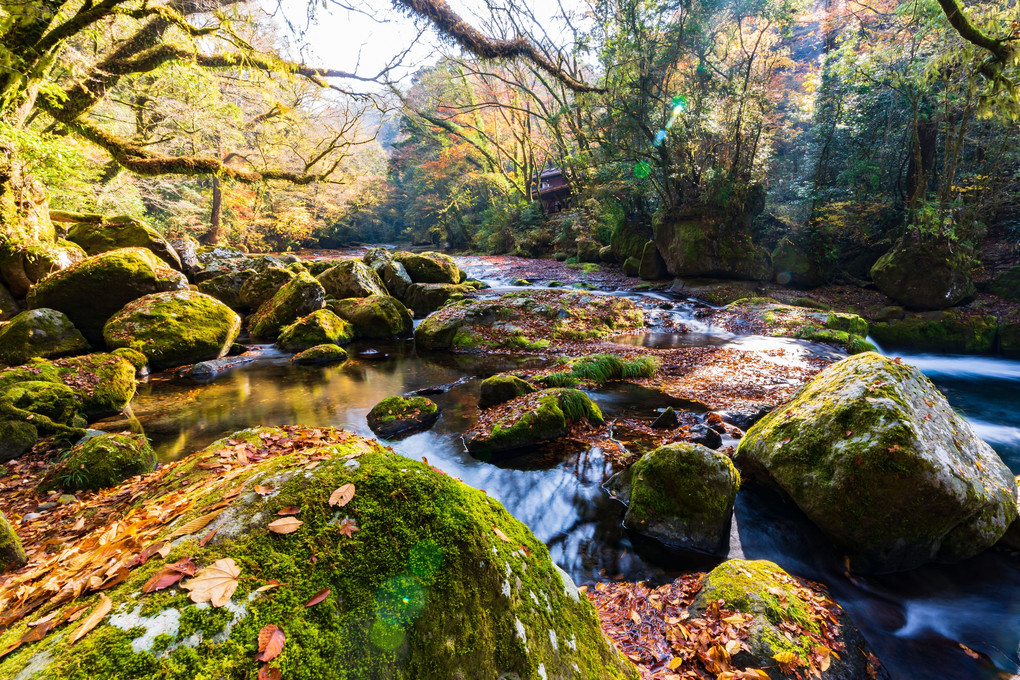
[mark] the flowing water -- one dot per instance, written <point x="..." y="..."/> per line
<point x="916" y="621"/>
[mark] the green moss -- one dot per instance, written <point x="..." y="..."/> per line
<point x="296" y="299"/>
<point x="42" y="333"/>
<point x="16" y="437"/>
<point x="321" y="354"/>
<point x="602" y="368"/>
<point x="395" y="415"/>
<point x="534" y="418"/>
<point x="101" y="462"/>
<point x="321" y="327"/>
<point x="12" y="553"/>
<point x="375" y="316"/>
<point x="49" y="407"/>
<point x="104" y="383"/>
<point x="501" y="388"/>
<point x="429" y="267"/>
<point x="136" y="358"/>
<point x="466" y="338"/>
<point x="949" y="331"/>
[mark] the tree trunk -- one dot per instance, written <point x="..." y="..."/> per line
<point x="24" y="212"/>
<point x="922" y="162"/>
<point x="215" y="232"/>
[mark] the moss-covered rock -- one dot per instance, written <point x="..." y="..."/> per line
<point x="93" y="290"/>
<point x="377" y="256"/>
<point x="103" y="383"/>
<point x="425" y="298"/>
<point x="136" y="358"/>
<point x="530" y="419"/>
<point x="501" y="388"/>
<point x="16" y="438"/>
<point x="187" y="251"/>
<point x="42" y="333"/>
<point x="375" y="316"/>
<point x="296" y="299"/>
<point x="12" y="553"/>
<point x="213" y="261"/>
<point x="263" y="285"/>
<point x="1011" y="539"/>
<point x="401" y="415"/>
<point x="396" y="278"/>
<point x="50" y="407"/>
<point x="175" y="328"/>
<point x="419" y="582"/>
<point x="848" y="331"/>
<point x="321" y="327"/>
<point x="25" y="264"/>
<point x="707" y="245"/>
<point x="632" y="266"/>
<point x="780" y="604"/>
<point x="875" y="456"/>
<point x="320" y="354"/>
<point x="587" y="250"/>
<point x="925" y="275"/>
<point x="652" y="266"/>
<point x="1007" y="284"/>
<point x="226" y="287"/>
<point x="351" y="279"/>
<point x="101" y="462"/>
<point x="683" y="495"/>
<point x="951" y="330"/>
<point x="122" y="232"/>
<point x="429" y="267"/>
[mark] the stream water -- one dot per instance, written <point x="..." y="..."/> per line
<point x="916" y="621"/>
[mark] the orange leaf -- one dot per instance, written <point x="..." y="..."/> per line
<point x="271" y="639"/>
<point x="267" y="673"/>
<point x="318" y="597"/>
<point x="342" y="496"/>
<point x="501" y="535"/>
<point x="289" y="510"/>
<point x="287" y="525"/>
<point x="92" y="620"/>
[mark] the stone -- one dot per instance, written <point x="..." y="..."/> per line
<point x="502" y="388"/>
<point x="187" y="251"/>
<point x="103" y="383"/>
<point x="1011" y="539"/>
<point x="321" y="327"/>
<point x="175" y="328"/>
<point x="528" y="420"/>
<point x="632" y="266"/>
<point x="12" y="553"/>
<point x="683" y="495"/>
<point x="93" y="290"/>
<point x="50" y="407"/>
<point x="425" y="298"/>
<point x="1009" y="338"/>
<point x="711" y="245"/>
<point x="402" y="415"/>
<point x="8" y="305"/>
<point x="925" y="276"/>
<point x="262" y="286"/>
<point x="1007" y="284"/>
<point x="606" y="254"/>
<point x="16" y="437"/>
<point x="705" y="436"/>
<point x="652" y="266"/>
<point x="296" y="299"/>
<point x="216" y="260"/>
<point x="395" y="278"/>
<point x="227" y="287"/>
<point x="25" y="264"/>
<point x="320" y="354"/>
<point x="587" y="250"/>
<point x="44" y="333"/>
<point x="743" y="418"/>
<point x="114" y="233"/>
<point x="102" y="462"/>
<point x="429" y="267"/>
<point x="136" y="358"/>
<point x="873" y="454"/>
<point x="351" y="279"/>
<point x="667" y="420"/>
<point x="378" y="317"/>
<point x="848" y="331"/>
<point x="954" y="331"/>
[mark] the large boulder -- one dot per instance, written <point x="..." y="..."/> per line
<point x="122" y="232"/>
<point x="531" y="419"/>
<point x="213" y="261"/>
<point x="429" y="267"/>
<point x="227" y="288"/>
<point x="319" y="355"/>
<point x="706" y="245"/>
<point x="296" y="299"/>
<point x="376" y="316"/>
<point x="391" y="570"/>
<point x="652" y="267"/>
<point x="263" y="285"/>
<point x="175" y="328"/>
<point x="425" y="298"/>
<point x="875" y="456"/>
<point x="499" y="389"/>
<point x="42" y="333"/>
<point x="28" y="263"/>
<point x="93" y="290"/>
<point x="321" y="327"/>
<point x="16" y="438"/>
<point x="395" y="278"/>
<point x="101" y="462"/>
<point x="351" y="279"/>
<point x="50" y="407"/>
<point x="925" y="275"/>
<point x="683" y="494"/>
<point x="103" y="384"/>
<point x="957" y="331"/>
<point x="401" y="415"/>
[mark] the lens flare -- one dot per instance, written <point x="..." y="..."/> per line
<point x="642" y="169"/>
<point x="660" y="137"/>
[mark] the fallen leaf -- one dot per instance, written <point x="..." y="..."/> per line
<point x="271" y="639"/>
<point x="318" y="597"/>
<point x="267" y="673"/>
<point x="214" y="584"/>
<point x="170" y="575"/>
<point x="195" y="525"/>
<point x="342" y="496"/>
<point x="500" y="535"/>
<point x="289" y="510"/>
<point x="92" y="620"/>
<point x="208" y="537"/>
<point x="264" y="490"/>
<point x="348" y="527"/>
<point x="287" y="525"/>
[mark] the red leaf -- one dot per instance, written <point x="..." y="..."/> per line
<point x="318" y="597"/>
<point x="271" y="639"/>
<point x="289" y="510"/>
<point x="267" y="673"/>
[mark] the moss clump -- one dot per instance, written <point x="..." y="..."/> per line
<point x="41" y="333"/>
<point x="429" y="267"/>
<point x="848" y="331"/>
<point x="683" y="495"/>
<point x="531" y="419"/>
<point x="12" y="553"/>
<point x="101" y="462"/>
<point x="375" y="316"/>
<point x="501" y="388"/>
<point x="320" y="354"/>
<point x="136" y="358"/>
<point x="321" y="327"/>
<point x="399" y="415"/>
<point x="50" y="407"/>
<point x="949" y="331"/>
<point x="298" y="298"/>
<point x="122" y="232"/>
<point x="227" y="287"/>
<point x="104" y="384"/>
<point x="602" y="368"/>
<point x="16" y="437"/>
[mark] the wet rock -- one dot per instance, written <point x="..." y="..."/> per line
<point x="714" y="421"/>
<point x="227" y="287"/>
<point x="429" y="267"/>
<point x="652" y="267"/>
<point x="42" y="333"/>
<point x="530" y="419"/>
<point x="320" y="354"/>
<point x="351" y="279"/>
<point x="321" y="327"/>
<point x="875" y="456"/>
<point x="205" y="371"/>
<point x="667" y="420"/>
<point x="376" y="317"/>
<point x="953" y="330"/>
<point x="262" y="286"/>
<point x="501" y="388"/>
<point x="425" y="298"/>
<point x="187" y="251"/>
<point x="632" y="266"/>
<point x="12" y="553"/>
<point x="401" y="415"/>
<point x="848" y="331"/>
<point x="433" y="390"/>
<point x="706" y="436"/>
<point x="175" y="328"/>
<point x="743" y="418"/>
<point x="1011" y="539"/>
<point x="925" y="276"/>
<point x="102" y="462"/>
<point x="297" y="299"/>
<point x="114" y="233"/>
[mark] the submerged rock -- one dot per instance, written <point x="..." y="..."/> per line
<point x="101" y="462"/>
<point x="351" y="279"/>
<point x="429" y="267"/>
<point x="123" y="232"/>
<point x="44" y="333"/>
<point x="502" y="388"/>
<point x="925" y="276"/>
<point x="875" y="456"/>
<point x="399" y="415"/>
<point x="320" y="354"/>
<point x="296" y="299"/>
<point x="532" y="418"/>
<point x="321" y="327"/>
<point x="375" y="316"/>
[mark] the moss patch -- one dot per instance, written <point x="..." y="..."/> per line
<point x="101" y="462"/>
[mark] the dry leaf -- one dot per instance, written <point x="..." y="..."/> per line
<point x="318" y="597"/>
<point x="271" y="639"/>
<point x="208" y="537"/>
<point x="170" y="575"/>
<point x="289" y="510"/>
<point x="287" y="525"/>
<point x="342" y="496"/>
<point x="264" y="490"/>
<point x="267" y="673"/>
<point x="92" y="620"/>
<point x="501" y="535"/>
<point x="348" y="526"/>
<point x="214" y="584"/>
<point x="195" y="525"/>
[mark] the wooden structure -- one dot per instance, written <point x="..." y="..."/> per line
<point x="553" y="189"/>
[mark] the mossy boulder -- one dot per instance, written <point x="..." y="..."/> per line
<point x="952" y="330"/>
<point x="227" y="287"/>
<point x="925" y="275"/>
<point x="122" y="232"/>
<point x="377" y="256"/>
<point x="632" y="267"/>
<point x="320" y="354"/>
<point x="531" y="419"/>
<point x="351" y="279"/>
<point x="93" y="290"/>
<point x="652" y="266"/>
<point x="321" y="327"/>
<point x="262" y="286"/>
<point x="174" y="329"/>
<point x="875" y="456"/>
<point x="101" y="462"/>
<point x="779" y="604"/>
<point x="8" y="305"/>
<point x="425" y="298"/>
<point x="429" y="267"/>
<point x="423" y="577"/>
<point x="50" y="407"/>
<point x="707" y="245"/>
<point x="296" y="299"/>
<point x="502" y="388"/>
<point x="103" y="384"/>
<point x="42" y="333"/>
<point x="136" y="358"/>
<point x="1007" y="284"/>
<point x="16" y="438"/>
<point x="376" y="316"/>
<point x="187" y="251"/>
<point x="587" y="250"/>
<point x="401" y="415"/>
<point x="683" y="495"/>
<point x="213" y="261"/>
<point x="395" y="277"/>
<point x="25" y="264"/>
<point x="12" y="552"/>
<point x="848" y="331"/>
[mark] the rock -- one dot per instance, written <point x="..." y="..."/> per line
<point x="136" y="358"/>
<point x="925" y="276"/>
<point x="227" y="288"/>
<point x="320" y="354"/>
<point x="50" y="407"/>
<point x="205" y="371"/>
<point x="377" y="256"/>
<point x="321" y="327"/>
<point x="377" y="316"/>
<point x="93" y="290"/>
<point x="401" y="415"/>
<point x="533" y="418"/>
<point x="778" y="601"/>
<point x="501" y="388"/>
<point x="216" y="260"/>
<point x="848" y="331"/>
<point x="890" y="313"/>
<point x="16" y="437"/>
<point x="23" y="265"/>
<point x="8" y="305"/>
<point x="1011" y="539"/>
<point x="632" y="267"/>
<point x="667" y="420"/>
<point x="351" y="279"/>
<point x="396" y="278"/>
<point x="102" y="462"/>
<point x="425" y="298"/>
<point x="705" y="436"/>
<point x="587" y="250"/>
<point x="12" y="553"/>
<point x="115" y="233"/>
<point x="262" y="286"/>
<point x="683" y="495"/>
<point x="953" y="330"/>
<point x="711" y="245"/>
<point x="103" y="383"/>
<point x="744" y="418"/>
<point x="606" y="254"/>
<point x="175" y="328"/>
<point x="1007" y="284"/>
<point x="42" y="333"/>
<point x="316" y="267"/>
<point x="429" y="267"/>
<point x="1009" y="338"/>
<point x="652" y="266"/>
<point x="187" y="251"/>
<point x="875" y="456"/>
<point x="297" y="299"/>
